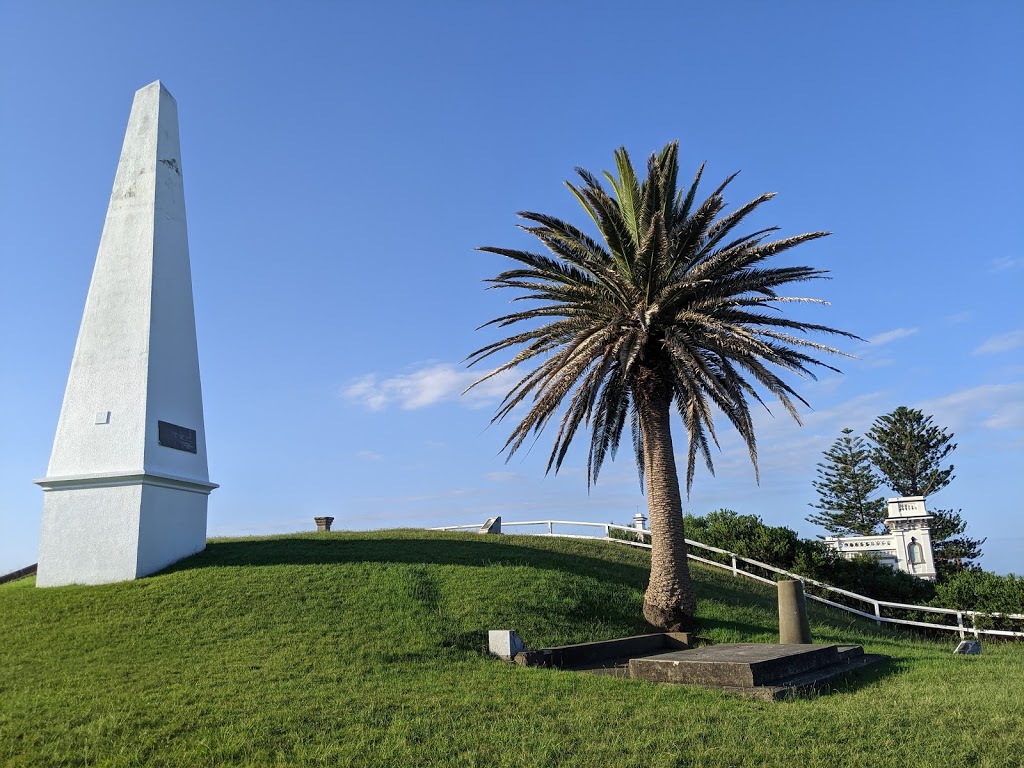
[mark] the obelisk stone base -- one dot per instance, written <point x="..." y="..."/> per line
<point x="105" y="534"/>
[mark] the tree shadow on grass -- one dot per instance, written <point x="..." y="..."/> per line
<point x="464" y="550"/>
<point x="741" y="627"/>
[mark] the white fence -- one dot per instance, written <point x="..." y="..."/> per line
<point x="604" y="533"/>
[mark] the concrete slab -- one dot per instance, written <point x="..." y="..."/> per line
<point x="760" y="670"/>
<point x="604" y="653"/>
<point x="763" y="671"/>
<point x="734" y="664"/>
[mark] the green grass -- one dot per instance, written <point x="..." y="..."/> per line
<point x="368" y="649"/>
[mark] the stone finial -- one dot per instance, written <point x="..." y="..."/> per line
<point x="323" y="523"/>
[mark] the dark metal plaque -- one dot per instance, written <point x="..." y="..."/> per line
<point x="179" y="438"/>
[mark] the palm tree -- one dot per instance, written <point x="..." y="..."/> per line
<point x="670" y="308"/>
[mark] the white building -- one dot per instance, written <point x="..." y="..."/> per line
<point x="906" y="547"/>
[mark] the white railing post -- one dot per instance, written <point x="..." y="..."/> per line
<point x="960" y="623"/>
<point x="974" y="624"/>
<point x="878" y="612"/>
<point x="735" y="570"/>
<point x="549" y="528"/>
<point x="607" y="532"/>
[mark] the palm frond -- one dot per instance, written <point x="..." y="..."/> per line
<point x="669" y="295"/>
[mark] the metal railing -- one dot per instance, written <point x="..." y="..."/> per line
<point x="735" y="561"/>
<point x="21" y="573"/>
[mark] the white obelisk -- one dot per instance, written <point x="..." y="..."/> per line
<point x="126" y="490"/>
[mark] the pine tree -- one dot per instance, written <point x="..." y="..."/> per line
<point x="908" y="451"/>
<point x="953" y="550"/>
<point x="845" y="485"/>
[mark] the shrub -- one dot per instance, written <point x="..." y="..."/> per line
<point x="748" y="536"/>
<point x="621" y="535"/>
<point x="978" y="590"/>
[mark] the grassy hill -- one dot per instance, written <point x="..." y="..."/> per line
<point x="368" y="649"/>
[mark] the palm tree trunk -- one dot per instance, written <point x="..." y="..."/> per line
<point x="670" y="602"/>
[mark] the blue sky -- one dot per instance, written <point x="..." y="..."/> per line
<point x="342" y="162"/>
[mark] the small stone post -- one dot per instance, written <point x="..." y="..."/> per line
<point x="492" y="525"/>
<point x="793" y="624"/>
<point x="323" y="523"/>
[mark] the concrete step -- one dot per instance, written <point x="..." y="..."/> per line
<point x="817" y="680"/>
<point x="734" y="664"/>
<point x="764" y="671"/>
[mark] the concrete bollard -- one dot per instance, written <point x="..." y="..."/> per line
<point x="323" y="523"/>
<point x="793" y="624"/>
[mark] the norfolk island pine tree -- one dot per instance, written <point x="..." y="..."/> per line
<point x="846" y="486"/>
<point x="909" y="451"/>
<point x="669" y="309"/>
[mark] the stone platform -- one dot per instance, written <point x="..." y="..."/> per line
<point x="759" y="670"/>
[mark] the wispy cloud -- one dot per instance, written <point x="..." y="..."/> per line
<point x="1004" y="342"/>
<point x="427" y="386"/>
<point x="787" y="449"/>
<point x="958" y="318"/>
<point x="369" y="456"/>
<point x="1003" y="263"/>
<point x="995" y="406"/>
<point x="890" y="336"/>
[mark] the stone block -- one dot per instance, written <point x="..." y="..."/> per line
<point x="741" y="665"/>
<point x="493" y="525"/>
<point x="505" y="643"/>
<point x="968" y="648"/>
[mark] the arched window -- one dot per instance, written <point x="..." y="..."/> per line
<point x="916" y="552"/>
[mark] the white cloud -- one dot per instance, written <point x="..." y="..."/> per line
<point x="427" y="386"/>
<point x="1004" y="263"/>
<point x="1004" y="342"/>
<point x="503" y="477"/>
<point x="786" y="449"/>
<point x="959" y="317"/>
<point x="369" y="456"/>
<point x="995" y="406"/>
<point x="365" y="389"/>
<point x="888" y="336"/>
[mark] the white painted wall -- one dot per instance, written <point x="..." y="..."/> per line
<point x="907" y="520"/>
<point x="172" y="526"/>
<point x="136" y="355"/>
<point x="89" y="536"/>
